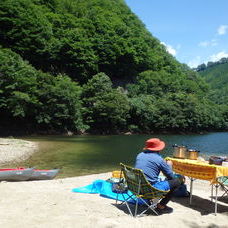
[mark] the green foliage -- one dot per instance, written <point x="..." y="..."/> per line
<point x="143" y="113"/>
<point x="106" y="109"/>
<point x="25" y="29"/>
<point x="216" y="74"/>
<point x="99" y="84"/>
<point x="18" y="84"/>
<point x="82" y="38"/>
<point x="174" y="111"/>
<point x="60" y="102"/>
<point x="162" y="100"/>
<point x="187" y="112"/>
<point x="70" y="42"/>
<point x="161" y="82"/>
<point x="34" y="98"/>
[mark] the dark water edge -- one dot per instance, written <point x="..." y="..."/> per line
<point x="19" y="131"/>
<point x="89" y="154"/>
<point x="21" y="128"/>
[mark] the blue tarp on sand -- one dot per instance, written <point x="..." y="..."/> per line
<point x="102" y="187"/>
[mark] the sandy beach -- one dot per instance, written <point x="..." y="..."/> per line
<point x="12" y="150"/>
<point x="53" y="204"/>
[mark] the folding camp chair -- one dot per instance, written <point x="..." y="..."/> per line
<point x="141" y="190"/>
<point x="223" y="182"/>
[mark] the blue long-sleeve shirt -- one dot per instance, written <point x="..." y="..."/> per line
<point x="152" y="163"/>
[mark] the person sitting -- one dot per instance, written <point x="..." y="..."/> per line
<point x="151" y="163"/>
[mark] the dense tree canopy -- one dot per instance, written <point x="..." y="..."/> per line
<point x="76" y="65"/>
<point x="82" y="38"/>
<point x="216" y="74"/>
<point x="32" y="98"/>
<point x="106" y="108"/>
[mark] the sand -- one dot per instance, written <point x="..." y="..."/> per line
<point x="52" y="203"/>
<point x="13" y="150"/>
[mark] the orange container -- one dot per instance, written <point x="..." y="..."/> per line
<point x="117" y="174"/>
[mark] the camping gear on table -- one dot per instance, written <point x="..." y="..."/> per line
<point x="193" y="154"/>
<point x="179" y="151"/>
<point x="216" y="160"/>
<point x="183" y="152"/>
<point x="24" y="174"/>
<point x="225" y="163"/>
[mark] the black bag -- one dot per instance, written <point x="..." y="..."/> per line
<point x="119" y="187"/>
<point x="181" y="191"/>
<point x="215" y="160"/>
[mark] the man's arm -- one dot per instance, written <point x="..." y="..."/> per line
<point x="166" y="170"/>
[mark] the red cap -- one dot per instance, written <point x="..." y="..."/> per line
<point x="154" y="144"/>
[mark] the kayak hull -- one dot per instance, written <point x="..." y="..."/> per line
<point x="24" y="174"/>
<point x="15" y="174"/>
<point x="44" y="174"/>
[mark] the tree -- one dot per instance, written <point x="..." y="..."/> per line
<point x="201" y="67"/>
<point x="30" y="97"/>
<point x="143" y="114"/>
<point x="106" y="109"/>
<point x="18" y="85"/>
<point x="60" y="105"/>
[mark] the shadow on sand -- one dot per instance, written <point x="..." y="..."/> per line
<point x="204" y="206"/>
<point x="141" y="208"/>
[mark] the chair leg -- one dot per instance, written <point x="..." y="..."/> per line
<point x="216" y="198"/>
<point x="151" y="207"/>
<point x="125" y="199"/>
<point x="117" y="198"/>
<point x="225" y="191"/>
<point x="129" y="209"/>
<point x="212" y="190"/>
<point x="191" y="188"/>
<point x="127" y="204"/>
<point x="136" y="207"/>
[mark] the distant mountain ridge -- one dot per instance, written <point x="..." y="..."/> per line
<point x="203" y="67"/>
<point x="216" y="75"/>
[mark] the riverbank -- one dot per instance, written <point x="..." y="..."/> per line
<point x="16" y="150"/>
<point x="52" y="203"/>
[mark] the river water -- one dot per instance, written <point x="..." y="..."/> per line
<point x="81" y="155"/>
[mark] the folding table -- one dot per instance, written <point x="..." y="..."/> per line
<point x="195" y="169"/>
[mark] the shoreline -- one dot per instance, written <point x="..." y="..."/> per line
<point x="51" y="203"/>
<point x="16" y="150"/>
<point x="162" y="132"/>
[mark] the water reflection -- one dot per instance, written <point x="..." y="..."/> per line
<point x="80" y="155"/>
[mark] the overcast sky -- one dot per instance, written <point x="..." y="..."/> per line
<point x="194" y="31"/>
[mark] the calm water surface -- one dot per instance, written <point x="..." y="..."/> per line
<point x="80" y="155"/>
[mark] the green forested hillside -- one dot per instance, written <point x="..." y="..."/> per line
<point x="216" y="74"/>
<point x="75" y="65"/>
<point x="81" y="38"/>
